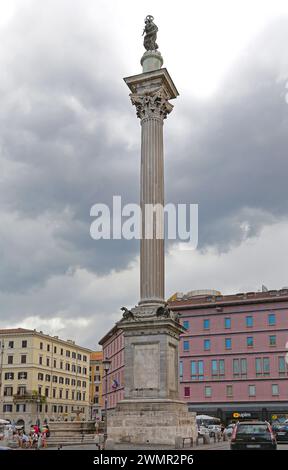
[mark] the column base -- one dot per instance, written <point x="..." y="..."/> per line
<point x="151" y="422"/>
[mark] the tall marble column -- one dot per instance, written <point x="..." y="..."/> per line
<point x="150" y="95"/>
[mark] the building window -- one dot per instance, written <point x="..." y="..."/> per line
<point x="40" y="376"/>
<point x="55" y="350"/>
<point x="186" y="391"/>
<point x="221" y="367"/>
<point x="228" y="343"/>
<point x="186" y="324"/>
<point x="22" y="375"/>
<point x="258" y="366"/>
<point x="7" y="408"/>
<point x="61" y="364"/>
<point x="250" y="341"/>
<point x="281" y="365"/>
<point x="61" y="351"/>
<point x="84" y="358"/>
<point x="11" y="344"/>
<point x="61" y="380"/>
<point x="48" y="347"/>
<point x="10" y="359"/>
<point x="252" y="390"/>
<point x="47" y="362"/>
<point x="79" y="357"/>
<point x="218" y="367"/>
<point x="200" y="370"/>
<point x="78" y="383"/>
<point x="73" y="368"/>
<point x="55" y="379"/>
<point x="214" y="367"/>
<point x="208" y="391"/>
<point x="54" y="393"/>
<point x="206" y="344"/>
<point x="24" y="343"/>
<point x="67" y="381"/>
<point x="266" y="365"/>
<point x="67" y="394"/>
<point x="67" y="353"/>
<point x="197" y="370"/>
<point x="85" y="370"/>
<point x="229" y="390"/>
<point x="21" y="390"/>
<point x="185" y="345"/>
<point x="243" y="364"/>
<point x="206" y="324"/>
<point x="40" y="360"/>
<point x="20" y="408"/>
<point x="79" y="370"/>
<point x="272" y="340"/>
<point x="55" y="364"/>
<point x="236" y="367"/>
<point x="9" y="375"/>
<point x="181" y="369"/>
<point x="73" y="382"/>
<point x="67" y="366"/>
<point x="47" y="378"/>
<point x="60" y="393"/>
<point x="8" y="391"/>
<point x="41" y="345"/>
<point x="271" y="319"/>
<point x="227" y="323"/>
<point x="23" y="359"/>
<point x="73" y="355"/>
<point x="46" y="392"/>
<point x="275" y="389"/>
<point x="249" y="321"/>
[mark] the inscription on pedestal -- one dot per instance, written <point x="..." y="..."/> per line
<point x="146" y="367"/>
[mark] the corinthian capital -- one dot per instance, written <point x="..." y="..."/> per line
<point x="151" y="103"/>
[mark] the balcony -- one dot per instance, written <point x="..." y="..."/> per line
<point x="28" y="396"/>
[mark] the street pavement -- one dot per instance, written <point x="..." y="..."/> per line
<point x="215" y="446"/>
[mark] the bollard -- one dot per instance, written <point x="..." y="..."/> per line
<point x="178" y="442"/>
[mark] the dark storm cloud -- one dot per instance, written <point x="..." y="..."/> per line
<point x="236" y="167"/>
<point x="69" y="140"/>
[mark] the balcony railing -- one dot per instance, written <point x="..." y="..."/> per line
<point x="29" y="396"/>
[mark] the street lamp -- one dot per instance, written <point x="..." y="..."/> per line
<point x="38" y="401"/>
<point x="106" y="366"/>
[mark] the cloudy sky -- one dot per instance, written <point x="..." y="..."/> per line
<point x="69" y="138"/>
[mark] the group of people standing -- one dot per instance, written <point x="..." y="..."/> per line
<point x="36" y="438"/>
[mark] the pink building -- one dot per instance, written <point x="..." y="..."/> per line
<point x="232" y="356"/>
<point x="113" y="349"/>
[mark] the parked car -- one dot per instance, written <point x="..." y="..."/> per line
<point x="228" y="431"/>
<point x="253" y="435"/>
<point x="281" y="432"/>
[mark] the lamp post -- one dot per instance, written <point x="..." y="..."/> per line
<point x="106" y="366"/>
<point x="38" y="401"/>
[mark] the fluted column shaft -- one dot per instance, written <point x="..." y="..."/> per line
<point x="152" y="193"/>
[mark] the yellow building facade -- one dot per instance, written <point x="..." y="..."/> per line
<point x="42" y="377"/>
<point x="95" y="388"/>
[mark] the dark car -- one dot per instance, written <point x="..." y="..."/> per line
<point x="281" y="431"/>
<point x="253" y="435"/>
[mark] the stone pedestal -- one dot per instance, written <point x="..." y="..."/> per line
<point x="151" y="422"/>
<point x="151" y="410"/>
